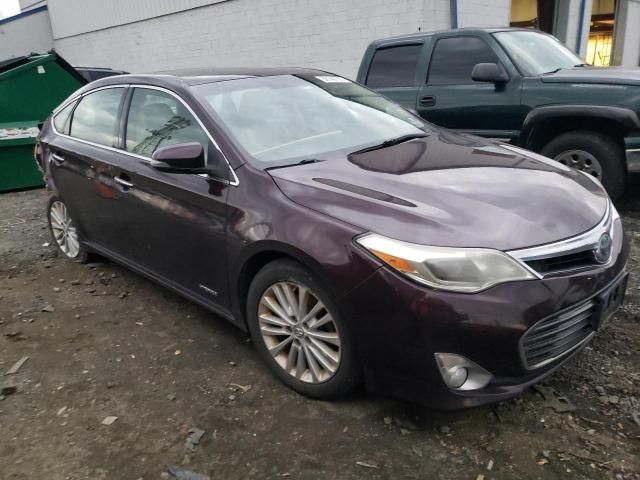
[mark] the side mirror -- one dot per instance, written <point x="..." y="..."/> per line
<point x="189" y="158"/>
<point x="180" y="158"/>
<point x="490" y="73"/>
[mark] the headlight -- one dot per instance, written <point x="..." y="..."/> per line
<point x="457" y="269"/>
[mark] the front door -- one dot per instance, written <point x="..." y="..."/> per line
<point x="450" y="98"/>
<point x="176" y="221"/>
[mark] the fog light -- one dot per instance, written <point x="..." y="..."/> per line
<point x="456" y="376"/>
<point x="460" y="373"/>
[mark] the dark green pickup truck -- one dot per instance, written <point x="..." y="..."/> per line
<point x="520" y="86"/>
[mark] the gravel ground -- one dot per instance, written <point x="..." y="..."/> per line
<point x="104" y="342"/>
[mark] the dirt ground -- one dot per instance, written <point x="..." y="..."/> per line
<point x="104" y="342"/>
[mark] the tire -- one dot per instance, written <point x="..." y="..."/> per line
<point x="304" y="337"/>
<point x="608" y="153"/>
<point x="65" y="238"/>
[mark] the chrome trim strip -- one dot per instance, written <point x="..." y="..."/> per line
<point x="580" y="243"/>
<point x="233" y="182"/>
<point x="87" y="93"/>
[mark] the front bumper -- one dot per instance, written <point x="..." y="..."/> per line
<point x="632" y="151"/>
<point x="400" y="325"/>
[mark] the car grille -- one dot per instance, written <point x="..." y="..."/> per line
<point x="562" y="263"/>
<point x="571" y="254"/>
<point x="557" y="335"/>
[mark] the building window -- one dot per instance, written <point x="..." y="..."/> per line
<point x="538" y="14"/>
<point x="601" y="32"/>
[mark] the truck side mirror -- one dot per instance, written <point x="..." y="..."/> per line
<point x="489" y="72"/>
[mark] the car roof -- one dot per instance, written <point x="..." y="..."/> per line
<point x="197" y="76"/>
<point x="423" y="35"/>
<point x="99" y="69"/>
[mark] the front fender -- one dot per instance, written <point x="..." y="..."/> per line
<point x="626" y="117"/>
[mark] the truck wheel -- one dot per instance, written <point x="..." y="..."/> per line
<point x="593" y="153"/>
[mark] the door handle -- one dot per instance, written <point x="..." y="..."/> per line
<point x="123" y="183"/>
<point x="57" y="159"/>
<point x="428" y="101"/>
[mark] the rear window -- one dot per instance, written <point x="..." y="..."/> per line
<point x="95" y="117"/>
<point x="394" y="67"/>
<point x="61" y="119"/>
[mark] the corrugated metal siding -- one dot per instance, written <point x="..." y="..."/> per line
<point x="73" y="17"/>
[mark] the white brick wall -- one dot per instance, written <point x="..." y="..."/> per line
<point x="24" y="35"/>
<point x="631" y="41"/>
<point x="327" y="34"/>
<point x="484" y="13"/>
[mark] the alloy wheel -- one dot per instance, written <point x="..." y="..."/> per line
<point x="299" y="332"/>
<point x="581" y="160"/>
<point x="64" y="231"/>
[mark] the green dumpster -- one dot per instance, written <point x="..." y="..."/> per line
<point x="30" y="88"/>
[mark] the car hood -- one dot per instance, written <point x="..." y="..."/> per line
<point x="610" y="75"/>
<point x="450" y="190"/>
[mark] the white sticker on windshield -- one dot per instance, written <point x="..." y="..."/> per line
<point x="332" y="79"/>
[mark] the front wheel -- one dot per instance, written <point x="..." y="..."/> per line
<point x="299" y="332"/>
<point x="594" y="153"/>
<point x="64" y="232"/>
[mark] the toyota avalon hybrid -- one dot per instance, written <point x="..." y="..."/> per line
<point x="356" y="243"/>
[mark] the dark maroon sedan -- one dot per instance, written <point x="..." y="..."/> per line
<point x="354" y="241"/>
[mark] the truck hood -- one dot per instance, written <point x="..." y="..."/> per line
<point x="450" y="190"/>
<point x="610" y="75"/>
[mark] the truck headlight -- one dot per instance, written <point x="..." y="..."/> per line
<point x="457" y="269"/>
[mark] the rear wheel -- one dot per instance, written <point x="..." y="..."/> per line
<point x="64" y="232"/>
<point x="594" y="153"/>
<point x="299" y="332"/>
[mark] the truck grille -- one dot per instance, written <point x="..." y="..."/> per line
<point x="557" y="335"/>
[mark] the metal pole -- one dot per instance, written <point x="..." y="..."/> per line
<point x="583" y="7"/>
<point x="454" y="13"/>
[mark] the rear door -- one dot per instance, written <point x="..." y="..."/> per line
<point x="175" y="222"/>
<point x="450" y="98"/>
<point x="394" y="70"/>
<point x="82" y="156"/>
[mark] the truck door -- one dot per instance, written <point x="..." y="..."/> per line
<point x="450" y="98"/>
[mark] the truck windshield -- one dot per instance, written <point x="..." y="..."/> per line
<point x="281" y="120"/>
<point x="536" y="53"/>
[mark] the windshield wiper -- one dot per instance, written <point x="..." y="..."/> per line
<point x="562" y="68"/>
<point x="305" y="161"/>
<point x="394" y="141"/>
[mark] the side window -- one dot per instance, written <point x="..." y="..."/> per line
<point x="453" y="60"/>
<point x="157" y="119"/>
<point x="95" y="117"/>
<point x="394" y="67"/>
<point x="62" y="119"/>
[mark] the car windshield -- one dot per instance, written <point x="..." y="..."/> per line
<point x="536" y="53"/>
<point x="284" y="119"/>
